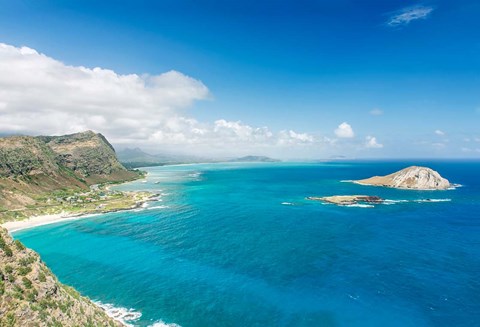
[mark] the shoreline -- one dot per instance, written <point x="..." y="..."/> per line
<point x="37" y="221"/>
<point x="41" y="220"/>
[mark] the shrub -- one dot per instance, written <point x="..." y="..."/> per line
<point x="5" y="247"/>
<point x="19" y="245"/>
<point x="8" y="269"/>
<point x="24" y="270"/>
<point x="9" y="320"/>
<point x="41" y="277"/>
<point x="27" y="261"/>
<point x="26" y="282"/>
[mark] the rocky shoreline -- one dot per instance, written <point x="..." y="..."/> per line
<point x="344" y="200"/>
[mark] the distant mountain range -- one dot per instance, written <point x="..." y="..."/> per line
<point x="255" y="159"/>
<point x="135" y="157"/>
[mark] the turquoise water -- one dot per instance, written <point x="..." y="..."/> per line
<point x="238" y="245"/>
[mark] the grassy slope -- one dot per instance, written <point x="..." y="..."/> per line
<point x="30" y="295"/>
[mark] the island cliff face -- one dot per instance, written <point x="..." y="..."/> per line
<point x="31" y="166"/>
<point x="414" y="178"/>
<point x="30" y="295"/>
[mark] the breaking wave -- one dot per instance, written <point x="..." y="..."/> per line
<point x="360" y="205"/>
<point x="123" y="315"/>
<point x="164" y="324"/>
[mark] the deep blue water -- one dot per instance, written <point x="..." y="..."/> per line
<point x="238" y="245"/>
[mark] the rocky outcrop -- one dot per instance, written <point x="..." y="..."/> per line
<point x="413" y="178"/>
<point x="348" y="199"/>
<point x="30" y="295"/>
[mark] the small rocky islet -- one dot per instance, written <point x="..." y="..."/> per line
<point x="344" y="200"/>
<point x="410" y="178"/>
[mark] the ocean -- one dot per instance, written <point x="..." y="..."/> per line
<point x="239" y="245"/>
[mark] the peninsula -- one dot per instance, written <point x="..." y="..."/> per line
<point x="412" y="178"/>
<point x="42" y="180"/>
<point x="68" y="174"/>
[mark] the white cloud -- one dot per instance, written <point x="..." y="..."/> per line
<point x="41" y="95"/>
<point x="371" y="142"/>
<point x="344" y="130"/>
<point x="376" y="112"/>
<point x="438" y="145"/>
<point x="439" y="132"/>
<point x="291" y="137"/>
<point x="407" y="15"/>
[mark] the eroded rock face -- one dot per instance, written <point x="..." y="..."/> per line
<point x="30" y="295"/>
<point x="414" y="177"/>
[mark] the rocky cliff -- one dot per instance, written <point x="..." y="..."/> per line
<point x="30" y="295"/>
<point x="31" y="166"/>
<point x="414" y="177"/>
<point x="89" y="155"/>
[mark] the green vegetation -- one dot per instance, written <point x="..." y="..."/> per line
<point x="19" y="245"/>
<point x="26" y="282"/>
<point x="24" y="270"/>
<point x="38" y="175"/>
<point x="98" y="199"/>
<point x="41" y="277"/>
<point x="5" y="247"/>
<point x="31" y="296"/>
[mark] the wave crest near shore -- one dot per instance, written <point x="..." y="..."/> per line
<point x="120" y="314"/>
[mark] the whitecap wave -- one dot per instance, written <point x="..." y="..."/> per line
<point x="390" y="202"/>
<point x="454" y="186"/>
<point x="157" y="207"/>
<point x="288" y="204"/>
<point x="164" y="324"/>
<point x="432" y="200"/>
<point x="123" y="315"/>
<point x="360" y="205"/>
<point x="195" y="175"/>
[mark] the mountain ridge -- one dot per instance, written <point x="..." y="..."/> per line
<point x="34" y="165"/>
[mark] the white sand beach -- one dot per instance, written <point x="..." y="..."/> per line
<point x="35" y="221"/>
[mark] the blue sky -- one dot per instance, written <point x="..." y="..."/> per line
<point x="405" y="73"/>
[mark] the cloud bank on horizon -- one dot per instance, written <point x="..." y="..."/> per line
<point x="40" y="95"/>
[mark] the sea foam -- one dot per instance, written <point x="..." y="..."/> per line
<point x="360" y="205"/>
<point x="432" y="200"/>
<point x="164" y="324"/>
<point x="123" y="315"/>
